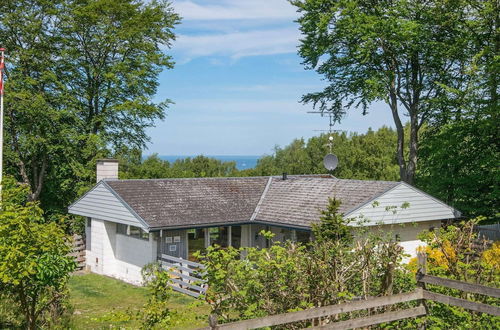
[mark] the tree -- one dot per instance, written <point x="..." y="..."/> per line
<point x="399" y="52"/>
<point x="156" y="312"/>
<point x="35" y="118"/>
<point x="460" y="149"/>
<point x="459" y="165"/>
<point x="332" y="225"/>
<point x="81" y="78"/>
<point x="368" y="156"/>
<point x="34" y="261"/>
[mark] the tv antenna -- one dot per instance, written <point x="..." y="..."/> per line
<point x="330" y="161"/>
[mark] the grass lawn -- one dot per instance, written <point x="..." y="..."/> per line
<point x="103" y="302"/>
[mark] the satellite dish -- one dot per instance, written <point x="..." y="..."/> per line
<point x="330" y="162"/>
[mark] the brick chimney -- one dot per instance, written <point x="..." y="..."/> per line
<point x="107" y="169"/>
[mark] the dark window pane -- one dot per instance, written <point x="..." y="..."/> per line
<point x="219" y="236"/>
<point x="236" y="236"/>
<point x="303" y="236"/>
<point x="135" y="231"/>
<point x="138" y="233"/>
<point x="121" y="229"/>
<point x="196" y="242"/>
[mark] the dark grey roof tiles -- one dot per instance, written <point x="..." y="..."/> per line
<point x="298" y="201"/>
<point x="200" y="201"/>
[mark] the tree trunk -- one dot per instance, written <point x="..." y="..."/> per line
<point x="412" y="159"/>
<point x="393" y="103"/>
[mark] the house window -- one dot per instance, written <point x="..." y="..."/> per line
<point x="138" y="233"/>
<point x="121" y="229"/>
<point x="303" y="236"/>
<point x="132" y="231"/>
<point x="219" y="236"/>
<point x="196" y="242"/>
<point x="236" y="237"/>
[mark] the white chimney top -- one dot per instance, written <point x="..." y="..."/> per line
<point x="107" y="169"/>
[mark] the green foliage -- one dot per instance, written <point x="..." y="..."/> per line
<point x="154" y="167"/>
<point x="290" y="276"/>
<point x="34" y="261"/>
<point x="81" y="77"/>
<point x="460" y="149"/>
<point x="455" y="252"/>
<point x="156" y="312"/>
<point x="332" y="225"/>
<point x="361" y="156"/>
<point x="459" y="165"/>
<point x="398" y="52"/>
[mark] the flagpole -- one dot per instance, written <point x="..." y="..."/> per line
<point x="2" y="65"/>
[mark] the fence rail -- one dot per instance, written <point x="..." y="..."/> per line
<point x="78" y="251"/>
<point x="186" y="276"/>
<point x="421" y="294"/>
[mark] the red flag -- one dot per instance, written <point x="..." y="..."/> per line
<point x="2" y="64"/>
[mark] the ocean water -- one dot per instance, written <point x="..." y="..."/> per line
<point x="242" y="162"/>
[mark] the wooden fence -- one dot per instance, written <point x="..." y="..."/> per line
<point x="420" y="295"/>
<point x="78" y="251"/>
<point x="186" y="276"/>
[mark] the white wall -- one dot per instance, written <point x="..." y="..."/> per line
<point x="118" y="255"/>
<point x="408" y="233"/>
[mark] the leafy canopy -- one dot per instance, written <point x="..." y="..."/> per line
<point x="34" y="260"/>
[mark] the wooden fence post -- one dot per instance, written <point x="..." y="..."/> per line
<point x="422" y="270"/>
<point x="212" y="321"/>
<point x="422" y="264"/>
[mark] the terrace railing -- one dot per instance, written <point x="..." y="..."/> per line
<point x="186" y="276"/>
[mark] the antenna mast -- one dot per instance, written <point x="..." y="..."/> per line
<point x="330" y="161"/>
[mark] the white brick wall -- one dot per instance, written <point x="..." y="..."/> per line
<point x="107" y="169"/>
<point x="117" y="255"/>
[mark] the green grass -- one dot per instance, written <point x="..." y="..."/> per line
<point x="103" y="302"/>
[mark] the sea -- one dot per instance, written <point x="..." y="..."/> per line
<point x="242" y="162"/>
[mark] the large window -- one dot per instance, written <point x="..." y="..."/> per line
<point x="219" y="236"/>
<point x="132" y="231"/>
<point x="236" y="236"/>
<point x="196" y="242"/>
<point x="303" y="236"/>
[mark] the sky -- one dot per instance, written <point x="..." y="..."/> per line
<point x="238" y="80"/>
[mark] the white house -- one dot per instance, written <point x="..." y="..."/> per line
<point x="131" y="222"/>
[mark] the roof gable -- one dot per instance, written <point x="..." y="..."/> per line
<point x="102" y="203"/>
<point x="387" y="208"/>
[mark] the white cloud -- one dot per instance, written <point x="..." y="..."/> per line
<point x="239" y="44"/>
<point x="235" y="9"/>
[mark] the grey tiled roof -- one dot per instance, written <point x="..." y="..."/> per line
<point x="199" y="201"/>
<point x="296" y="202"/>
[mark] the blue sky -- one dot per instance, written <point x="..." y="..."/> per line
<point x="238" y="80"/>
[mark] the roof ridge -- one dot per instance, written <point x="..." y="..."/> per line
<point x="187" y="179"/>
<point x="225" y="177"/>
<point x="262" y="198"/>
